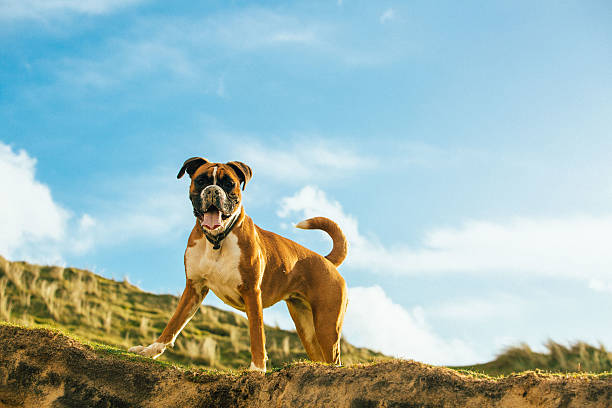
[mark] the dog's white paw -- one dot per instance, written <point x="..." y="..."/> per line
<point x="253" y="367"/>
<point x="154" y="350"/>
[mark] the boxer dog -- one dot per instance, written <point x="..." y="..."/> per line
<point x="250" y="268"/>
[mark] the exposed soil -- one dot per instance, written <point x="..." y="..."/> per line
<point x="43" y="368"/>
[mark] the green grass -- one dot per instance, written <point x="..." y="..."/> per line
<point x="112" y="316"/>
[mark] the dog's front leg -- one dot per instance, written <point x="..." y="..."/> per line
<point x="188" y="305"/>
<point x="254" y="311"/>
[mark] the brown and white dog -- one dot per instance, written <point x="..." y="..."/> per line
<point x="251" y="269"/>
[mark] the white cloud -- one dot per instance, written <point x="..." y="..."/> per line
<point x="387" y="15"/>
<point x="180" y="50"/>
<point x="188" y="51"/>
<point x="373" y="320"/>
<point x="257" y="28"/>
<point x="600" y="286"/>
<point x="500" y="306"/>
<point x="34" y="226"/>
<point x="38" y="229"/>
<point x="37" y="9"/>
<point x="28" y="214"/>
<point x="304" y="159"/>
<point x="305" y="37"/>
<point x="126" y="61"/>
<point x="86" y="222"/>
<point x="312" y="202"/>
<point x="573" y="247"/>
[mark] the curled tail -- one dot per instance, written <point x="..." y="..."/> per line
<point x="340" y="248"/>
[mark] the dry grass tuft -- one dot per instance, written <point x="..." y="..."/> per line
<point x="15" y="272"/>
<point x="286" y="347"/>
<point x="90" y="315"/>
<point x="108" y="319"/>
<point x="25" y="298"/>
<point x="235" y="339"/>
<point x="4" y="265"/>
<point x="48" y="292"/>
<point x="189" y="348"/>
<point x="209" y="351"/>
<point x="26" y="319"/>
<point x="57" y="273"/>
<point x="77" y="290"/>
<point x="211" y="314"/>
<point x="5" y="304"/>
<point x="200" y="350"/>
<point x="145" y="326"/>
<point x="92" y="286"/>
<point x="126" y="339"/>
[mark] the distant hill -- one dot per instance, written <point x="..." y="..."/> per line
<point x="579" y="357"/>
<point x="121" y="315"/>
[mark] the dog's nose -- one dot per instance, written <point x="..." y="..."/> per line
<point x="211" y="193"/>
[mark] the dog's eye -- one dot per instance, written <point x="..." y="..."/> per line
<point x="228" y="183"/>
<point x="200" y="182"/>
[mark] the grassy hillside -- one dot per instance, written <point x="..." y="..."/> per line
<point x="579" y="357"/>
<point x="121" y="315"/>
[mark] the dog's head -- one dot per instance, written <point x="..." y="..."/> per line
<point x="215" y="191"/>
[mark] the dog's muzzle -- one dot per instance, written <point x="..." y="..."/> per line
<point x="215" y="208"/>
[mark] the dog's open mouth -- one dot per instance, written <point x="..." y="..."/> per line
<point x="212" y="218"/>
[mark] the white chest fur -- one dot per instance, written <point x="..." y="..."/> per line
<point x="216" y="269"/>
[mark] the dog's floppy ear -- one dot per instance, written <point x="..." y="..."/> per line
<point x="243" y="171"/>
<point x="191" y="165"/>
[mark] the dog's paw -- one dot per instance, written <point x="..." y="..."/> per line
<point x="154" y="350"/>
<point x="253" y="367"/>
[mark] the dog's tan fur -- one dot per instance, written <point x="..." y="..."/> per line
<point x="255" y="269"/>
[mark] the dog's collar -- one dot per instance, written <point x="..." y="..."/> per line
<point x="215" y="240"/>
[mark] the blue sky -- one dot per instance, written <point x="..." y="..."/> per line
<point x="464" y="149"/>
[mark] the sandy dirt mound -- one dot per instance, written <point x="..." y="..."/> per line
<point x="43" y="368"/>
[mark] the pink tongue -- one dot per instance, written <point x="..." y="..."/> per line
<point x="212" y="219"/>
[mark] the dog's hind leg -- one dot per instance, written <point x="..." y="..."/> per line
<point x="328" y="316"/>
<point x="301" y="313"/>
